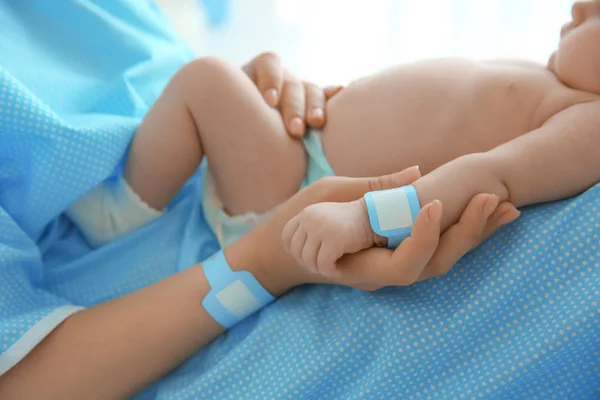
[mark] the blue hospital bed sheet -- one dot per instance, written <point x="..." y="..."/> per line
<point x="518" y="318"/>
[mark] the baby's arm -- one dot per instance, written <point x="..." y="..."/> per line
<point x="558" y="160"/>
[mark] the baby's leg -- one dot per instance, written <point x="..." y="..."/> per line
<point x="209" y="108"/>
<point x="212" y="108"/>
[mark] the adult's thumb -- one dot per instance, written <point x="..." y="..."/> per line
<point x="349" y="189"/>
<point x="392" y="181"/>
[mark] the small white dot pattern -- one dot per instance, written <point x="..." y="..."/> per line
<point x="516" y="319"/>
<point x="69" y="105"/>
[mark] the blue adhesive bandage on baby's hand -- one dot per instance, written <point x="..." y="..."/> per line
<point x="234" y="295"/>
<point x="392" y="213"/>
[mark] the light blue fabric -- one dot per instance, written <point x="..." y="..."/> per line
<point x="217" y="11"/>
<point x="318" y="166"/>
<point x="516" y="319"/>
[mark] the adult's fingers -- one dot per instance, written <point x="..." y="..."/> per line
<point x="315" y="105"/>
<point x="503" y="215"/>
<point x="462" y="237"/>
<point x="293" y="107"/>
<point x="343" y="189"/>
<point x="331" y="91"/>
<point x="283" y="224"/>
<point x="267" y="73"/>
<point x="401" y="267"/>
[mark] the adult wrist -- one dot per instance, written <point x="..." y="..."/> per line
<point x="266" y="261"/>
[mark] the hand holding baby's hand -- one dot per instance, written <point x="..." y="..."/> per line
<point x="322" y="236"/>
<point x="323" y="232"/>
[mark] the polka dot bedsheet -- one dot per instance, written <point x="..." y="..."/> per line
<point x="516" y="319"/>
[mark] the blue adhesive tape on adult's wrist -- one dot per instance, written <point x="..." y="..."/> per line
<point x="392" y="213"/>
<point x="234" y="295"/>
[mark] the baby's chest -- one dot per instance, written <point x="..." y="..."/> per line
<point x="521" y="98"/>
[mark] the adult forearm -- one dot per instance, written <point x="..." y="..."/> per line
<point x="115" y="349"/>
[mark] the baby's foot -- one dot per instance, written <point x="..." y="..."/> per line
<point x="323" y="232"/>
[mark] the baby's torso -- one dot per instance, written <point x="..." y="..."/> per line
<point x="429" y="113"/>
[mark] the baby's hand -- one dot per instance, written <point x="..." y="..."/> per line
<point x="323" y="232"/>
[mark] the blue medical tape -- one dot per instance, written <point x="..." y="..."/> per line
<point x="376" y="206"/>
<point x="234" y="295"/>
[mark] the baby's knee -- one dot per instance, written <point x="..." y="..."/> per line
<point x="203" y="74"/>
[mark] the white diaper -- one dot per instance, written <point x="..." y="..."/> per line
<point x="110" y="210"/>
<point x="113" y="209"/>
<point x="226" y="228"/>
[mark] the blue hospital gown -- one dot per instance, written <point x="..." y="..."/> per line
<point x="518" y="318"/>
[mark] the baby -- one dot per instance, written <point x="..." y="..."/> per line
<point x="527" y="133"/>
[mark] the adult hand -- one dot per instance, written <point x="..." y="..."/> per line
<point x="423" y="255"/>
<point x="300" y="103"/>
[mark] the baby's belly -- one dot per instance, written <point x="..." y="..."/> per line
<point x="420" y="116"/>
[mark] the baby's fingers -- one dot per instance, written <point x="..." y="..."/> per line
<point x="288" y="233"/>
<point x="310" y="253"/>
<point x="327" y="258"/>
<point x="297" y="244"/>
